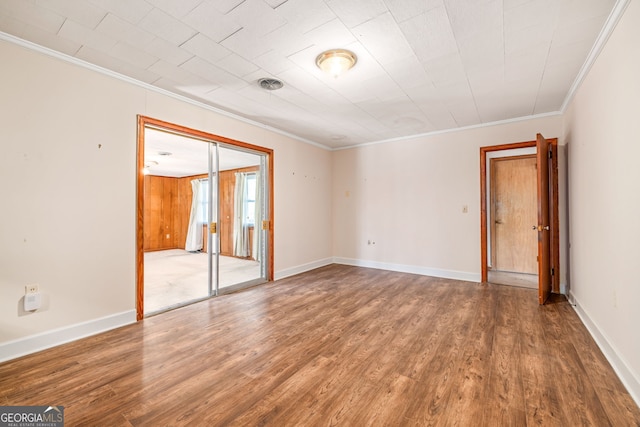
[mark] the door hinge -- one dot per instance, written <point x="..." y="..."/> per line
<point x="553" y="271"/>
<point x="266" y="225"/>
<point x="550" y="154"/>
<point x="213" y="228"/>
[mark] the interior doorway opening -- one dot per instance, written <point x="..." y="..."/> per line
<point x="204" y="216"/>
<point x="545" y="227"/>
<point x="512" y="247"/>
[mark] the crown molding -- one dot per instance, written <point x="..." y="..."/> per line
<point x="87" y="65"/>
<point x="605" y="33"/>
<point x="451" y="130"/>
<point x="599" y="44"/>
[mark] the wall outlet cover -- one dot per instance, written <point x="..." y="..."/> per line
<point x="32" y="301"/>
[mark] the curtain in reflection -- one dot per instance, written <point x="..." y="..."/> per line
<point x="257" y="229"/>
<point x="240" y="225"/>
<point x="194" y="232"/>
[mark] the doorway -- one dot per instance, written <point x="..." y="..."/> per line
<point x="512" y="247"/>
<point x="204" y="216"/>
<point x="511" y="258"/>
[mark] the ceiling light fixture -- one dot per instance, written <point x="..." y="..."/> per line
<point x="336" y="61"/>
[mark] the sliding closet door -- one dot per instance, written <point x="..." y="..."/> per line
<point x="203" y="216"/>
<point x="264" y="211"/>
<point x="179" y="206"/>
<point x="243" y="209"/>
<point x="213" y="250"/>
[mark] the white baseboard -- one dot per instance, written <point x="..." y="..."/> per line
<point x="302" y="268"/>
<point x="33" y="343"/>
<point x="414" y="269"/>
<point x="626" y="375"/>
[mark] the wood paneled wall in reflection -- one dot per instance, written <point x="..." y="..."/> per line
<point x="167" y="206"/>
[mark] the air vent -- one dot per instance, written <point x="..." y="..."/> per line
<point x="270" y="84"/>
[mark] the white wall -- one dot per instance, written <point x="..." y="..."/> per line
<point x="603" y="142"/>
<point x="68" y="212"/>
<point x="68" y="207"/>
<point x="408" y="197"/>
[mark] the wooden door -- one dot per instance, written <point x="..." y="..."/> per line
<point x="544" y="223"/>
<point x="513" y="211"/>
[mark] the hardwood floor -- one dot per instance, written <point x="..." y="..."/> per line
<point x="340" y="346"/>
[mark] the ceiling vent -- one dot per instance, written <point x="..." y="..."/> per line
<point x="270" y="84"/>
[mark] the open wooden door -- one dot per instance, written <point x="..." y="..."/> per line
<point x="544" y="221"/>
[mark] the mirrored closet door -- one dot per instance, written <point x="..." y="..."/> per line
<point x="205" y="218"/>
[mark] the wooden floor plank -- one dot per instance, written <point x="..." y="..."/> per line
<point x="579" y="397"/>
<point x="339" y="345"/>
<point x="504" y="384"/>
<point x="614" y="398"/>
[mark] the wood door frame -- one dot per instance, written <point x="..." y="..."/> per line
<point x="555" y="232"/>
<point x="143" y="122"/>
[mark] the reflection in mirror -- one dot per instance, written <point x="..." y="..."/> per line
<point x="241" y="192"/>
<point x="183" y="260"/>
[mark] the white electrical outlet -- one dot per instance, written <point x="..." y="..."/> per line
<point x="32" y="301"/>
<point x="31" y="289"/>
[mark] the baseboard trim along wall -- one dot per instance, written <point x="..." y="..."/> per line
<point x="414" y="269"/>
<point x="626" y="375"/>
<point x="301" y="268"/>
<point x="34" y="343"/>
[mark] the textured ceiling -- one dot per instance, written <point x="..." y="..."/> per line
<point x="423" y="65"/>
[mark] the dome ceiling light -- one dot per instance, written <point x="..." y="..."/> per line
<point x="336" y="61"/>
